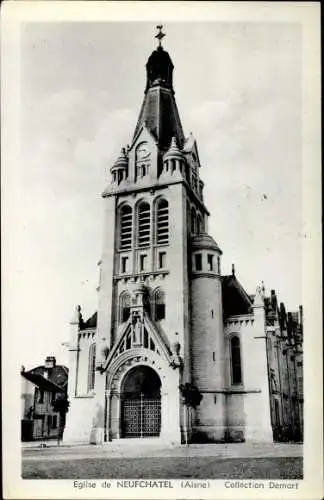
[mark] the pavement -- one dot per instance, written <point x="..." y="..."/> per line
<point x="34" y="450"/>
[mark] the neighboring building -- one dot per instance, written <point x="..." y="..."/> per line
<point x="39" y="388"/>
<point x="166" y="313"/>
<point x="285" y="361"/>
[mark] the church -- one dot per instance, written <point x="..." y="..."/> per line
<point x="168" y="317"/>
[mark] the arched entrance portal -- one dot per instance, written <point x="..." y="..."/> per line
<point x="141" y="403"/>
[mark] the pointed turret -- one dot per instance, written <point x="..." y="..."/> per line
<point x="159" y="110"/>
<point x="173" y="151"/>
<point x="119" y="170"/>
<point x="173" y="159"/>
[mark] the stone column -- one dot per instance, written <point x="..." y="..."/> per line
<point x="73" y="353"/>
<point x="115" y="415"/>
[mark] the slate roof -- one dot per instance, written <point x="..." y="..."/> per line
<point x="58" y="374"/>
<point x="159" y="111"/>
<point x="42" y="382"/>
<point x="90" y="323"/>
<point x="235" y="299"/>
<point x="160" y="115"/>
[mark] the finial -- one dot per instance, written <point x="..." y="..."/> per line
<point x="77" y="316"/>
<point x="160" y="35"/>
<point x="233" y="270"/>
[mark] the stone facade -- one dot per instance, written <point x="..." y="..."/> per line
<point x="166" y="314"/>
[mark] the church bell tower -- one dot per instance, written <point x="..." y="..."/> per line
<point x="153" y="209"/>
<point x="154" y="222"/>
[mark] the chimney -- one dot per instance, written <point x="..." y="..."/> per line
<point x="274" y="303"/>
<point x="50" y="362"/>
<point x="300" y="315"/>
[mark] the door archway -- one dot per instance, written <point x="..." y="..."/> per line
<point x="141" y="403"/>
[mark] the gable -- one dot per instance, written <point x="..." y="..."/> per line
<point x="143" y="135"/>
<point x="153" y="340"/>
<point x="190" y="148"/>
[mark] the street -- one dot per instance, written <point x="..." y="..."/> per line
<point x="213" y="461"/>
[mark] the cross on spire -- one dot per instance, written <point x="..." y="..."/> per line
<point x="160" y="34"/>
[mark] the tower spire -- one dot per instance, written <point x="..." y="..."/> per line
<point x="159" y="110"/>
<point x="160" y="34"/>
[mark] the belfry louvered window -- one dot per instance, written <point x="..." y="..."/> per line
<point x="126" y="227"/>
<point x="162" y="222"/>
<point x="144" y="224"/>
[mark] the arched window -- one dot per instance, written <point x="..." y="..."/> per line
<point x="92" y="367"/>
<point x="124" y="307"/>
<point x="159" y="305"/>
<point x="144" y="224"/>
<point x="236" y="370"/>
<point x="125" y="227"/>
<point x="193" y="221"/>
<point x="162" y="222"/>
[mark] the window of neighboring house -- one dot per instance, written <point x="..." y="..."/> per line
<point x="218" y="265"/>
<point x="54" y="422"/>
<point x="159" y="305"/>
<point x="92" y="367"/>
<point x="236" y="370"/>
<point x="49" y="421"/>
<point x="198" y="262"/>
<point x="162" y="260"/>
<point x="41" y="396"/>
<point x="210" y="259"/>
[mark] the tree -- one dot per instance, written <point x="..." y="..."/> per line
<point x="61" y="406"/>
<point x="191" y="398"/>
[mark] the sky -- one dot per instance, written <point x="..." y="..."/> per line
<point x="238" y="90"/>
